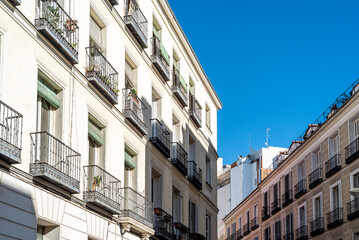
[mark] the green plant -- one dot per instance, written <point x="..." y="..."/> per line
<point x="53" y="15"/>
<point x="74" y="44"/>
<point x="96" y="182"/>
<point x="133" y="91"/>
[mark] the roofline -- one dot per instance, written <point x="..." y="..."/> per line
<point x="192" y="54"/>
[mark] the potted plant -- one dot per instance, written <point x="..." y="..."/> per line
<point x="71" y="25"/>
<point x="158" y="211"/>
<point x="96" y="182"/>
<point x="133" y="94"/>
<point x="167" y="218"/>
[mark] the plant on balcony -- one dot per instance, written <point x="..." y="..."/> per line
<point x="133" y="93"/>
<point x="53" y="17"/>
<point x="93" y="68"/>
<point x="158" y="211"/>
<point x="71" y="25"/>
<point x="167" y="218"/>
<point x="96" y="182"/>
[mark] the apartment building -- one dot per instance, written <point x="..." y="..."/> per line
<point x="108" y="123"/>
<point x="312" y="190"/>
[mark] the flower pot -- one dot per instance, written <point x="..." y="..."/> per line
<point x="71" y="25"/>
<point x="167" y="218"/>
<point x="158" y="211"/>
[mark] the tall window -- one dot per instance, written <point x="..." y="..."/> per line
<point x="333" y="145"/>
<point x="130" y="73"/>
<point x="192" y="149"/>
<point x="130" y="168"/>
<point x="208" y="171"/>
<point x="354" y="183"/>
<point x="277" y="230"/>
<point x="335" y="196"/>
<point x="96" y="141"/>
<point x="228" y="232"/>
<point x="176" y="61"/>
<point x="287" y="183"/>
<point x="234" y="228"/>
<point x="156" y="105"/>
<point x="316" y="160"/>
<point x="302" y="216"/>
<point x="247" y="217"/>
<point x="157" y="31"/>
<point x="356" y="236"/>
<point x="176" y="205"/>
<point x="176" y="129"/>
<point x="208" y="117"/>
<point x="267" y="233"/>
<point x="208" y="227"/>
<point x="97" y="33"/>
<point x="289" y="224"/>
<point x="301" y="172"/>
<point x="240" y="223"/>
<point x="193" y="217"/>
<point x="156" y="186"/>
<point x="255" y="211"/>
<point x="191" y="87"/>
<point x="317" y="207"/>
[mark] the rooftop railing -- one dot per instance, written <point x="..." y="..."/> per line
<point x="11" y="123"/>
<point x="55" y="161"/>
<point x="57" y="25"/>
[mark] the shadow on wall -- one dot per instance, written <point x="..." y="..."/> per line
<point x="17" y="212"/>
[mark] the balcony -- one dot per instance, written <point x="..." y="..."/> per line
<point x="162" y="224"/>
<point x="300" y="188"/>
<point x="335" y="218"/>
<point x="134" y="110"/>
<point x="160" y="58"/>
<point x="198" y="236"/>
<point x="10" y="134"/>
<point x="317" y="227"/>
<point x="275" y="206"/>
<point x="180" y="231"/>
<point x="287" y="198"/>
<point x="265" y="213"/>
<point x="195" y="174"/>
<point x="315" y="178"/>
<point x="239" y="234"/>
<point x="160" y="137"/>
<point x="135" y="210"/>
<point x="195" y="111"/>
<point x="277" y="236"/>
<point x="332" y="165"/>
<point x="101" y="74"/>
<point x="288" y="236"/>
<point x="55" y="162"/>
<point x="179" y="158"/>
<point x="57" y="26"/>
<point x="254" y="223"/>
<point x="246" y="229"/>
<point x="137" y="23"/>
<point x="102" y="189"/>
<point x="301" y="233"/>
<point x="114" y="2"/>
<point x="179" y="87"/>
<point x="353" y="209"/>
<point x="233" y="236"/>
<point x="352" y="151"/>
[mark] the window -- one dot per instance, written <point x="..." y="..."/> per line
<point x="335" y="196"/>
<point x="240" y="223"/>
<point x="49" y="231"/>
<point x="208" y="227"/>
<point x="356" y="236"/>
<point x="234" y="228"/>
<point x="317" y="207"/>
<point x="247" y="217"/>
<point x="191" y="87"/>
<point x="267" y="233"/>
<point x="130" y="73"/>
<point x="255" y="211"/>
<point x="176" y="205"/>
<point x="96" y="142"/>
<point x="130" y="168"/>
<point x="276" y="192"/>
<point x="97" y="33"/>
<point x="301" y="172"/>
<point x="265" y="199"/>
<point x="228" y="232"/>
<point x="176" y="61"/>
<point x="176" y="129"/>
<point x="289" y="224"/>
<point x="302" y="216"/>
<point x="192" y="149"/>
<point x="287" y="183"/>
<point x="277" y="230"/>
<point x="333" y="145"/>
<point x="208" y="171"/>
<point x="208" y="117"/>
<point x="316" y="160"/>
<point x="193" y="217"/>
<point x="156" y="189"/>
<point x="157" y="31"/>
<point x="156" y="105"/>
<point x="354" y="183"/>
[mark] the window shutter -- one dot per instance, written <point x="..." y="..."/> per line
<point x="129" y="161"/>
<point x="48" y="94"/>
<point x="95" y="32"/>
<point x="95" y="134"/>
<point x="155" y="32"/>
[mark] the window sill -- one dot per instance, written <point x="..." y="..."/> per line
<point x="209" y="185"/>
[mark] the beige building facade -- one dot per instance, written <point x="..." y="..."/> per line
<point x="108" y="123"/>
<point x="312" y="191"/>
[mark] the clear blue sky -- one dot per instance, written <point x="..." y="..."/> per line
<point x="274" y="64"/>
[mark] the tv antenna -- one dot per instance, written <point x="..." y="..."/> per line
<point x="267" y="137"/>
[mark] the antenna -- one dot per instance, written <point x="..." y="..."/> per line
<point x="249" y="142"/>
<point x="267" y="137"/>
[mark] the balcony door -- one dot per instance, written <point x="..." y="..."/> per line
<point x="316" y="160"/>
<point x="176" y="205"/>
<point x="317" y="208"/>
<point x="289" y="223"/>
<point x="302" y="216"/>
<point x="300" y="172"/>
<point x="193" y="217"/>
<point x="333" y="146"/>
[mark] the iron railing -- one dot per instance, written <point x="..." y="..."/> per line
<point x="277" y="236"/>
<point x="246" y="229"/>
<point x="195" y="173"/>
<point x="180" y="85"/>
<point x="136" y="206"/>
<point x="47" y="149"/>
<point x="265" y="213"/>
<point x="162" y="223"/>
<point x="136" y="14"/>
<point x="302" y="232"/>
<point x="134" y="108"/>
<point x="287" y="198"/>
<point x="332" y="165"/>
<point x="195" y="110"/>
<point x="288" y="236"/>
<point x="300" y="188"/>
<point x="102" y="188"/>
<point x="275" y="206"/>
<point x="239" y="233"/>
<point x="315" y="177"/>
<point x="254" y="223"/>
<point x="49" y="13"/>
<point x="317" y="226"/>
<point x="335" y="217"/>
<point x="353" y="209"/>
<point x="11" y="123"/>
<point x="233" y="236"/>
<point x="352" y="151"/>
<point x="179" y="157"/>
<point x="180" y="231"/>
<point x="105" y="76"/>
<point x="159" y="51"/>
<point x="160" y="136"/>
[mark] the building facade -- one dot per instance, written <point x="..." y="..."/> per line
<point x="108" y="123"/>
<point x="311" y="191"/>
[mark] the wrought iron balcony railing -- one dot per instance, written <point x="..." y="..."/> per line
<point x="277" y="236"/>
<point x="335" y="218"/>
<point x="317" y="226"/>
<point x="102" y="189"/>
<point x="195" y="110"/>
<point x="353" y="209"/>
<point x="246" y="229"/>
<point x="233" y="236"/>
<point x="160" y="58"/>
<point x="180" y="231"/>
<point x="101" y="74"/>
<point x="332" y="165"/>
<point x="275" y="206"/>
<point x="239" y="234"/>
<point x="179" y="158"/>
<point x="53" y="21"/>
<point x="160" y="137"/>
<point x="288" y="236"/>
<point x="195" y="174"/>
<point x="134" y="110"/>
<point x="254" y="223"/>
<point x="300" y="188"/>
<point x="315" y="177"/>
<point x="287" y="198"/>
<point x="52" y="160"/>
<point x="265" y="213"/>
<point x="301" y="233"/>
<point x="10" y="134"/>
<point x="352" y="151"/>
<point x="179" y="87"/>
<point x="136" y="207"/>
<point x="162" y="224"/>
<point x="136" y="21"/>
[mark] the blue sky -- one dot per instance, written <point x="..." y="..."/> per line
<point x="274" y="64"/>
